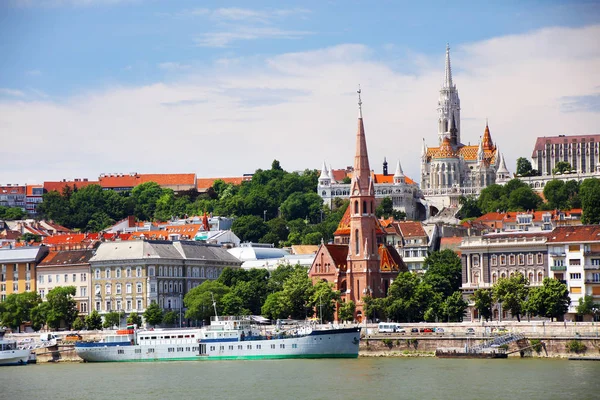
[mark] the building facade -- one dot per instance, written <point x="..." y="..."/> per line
<point x="128" y="276"/>
<point x="402" y="190"/>
<point x="67" y="268"/>
<point x="13" y="196"/>
<point x="574" y="257"/>
<point x="18" y="269"/>
<point x="453" y="169"/>
<point x="485" y="259"/>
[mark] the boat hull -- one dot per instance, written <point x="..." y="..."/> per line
<point x="335" y="343"/>
<point x="14" y="357"/>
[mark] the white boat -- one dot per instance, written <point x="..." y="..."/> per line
<point x="10" y="354"/>
<point x="227" y="338"/>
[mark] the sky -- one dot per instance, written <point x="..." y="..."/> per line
<point x="222" y="88"/>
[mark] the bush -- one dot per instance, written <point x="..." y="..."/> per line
<point x="388" y="342"/>
<point x="576" y="346"/>
<point x="78" y="324"/>
<point x="536" y="345"/>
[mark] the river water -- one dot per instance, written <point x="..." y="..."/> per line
<point x="363" y="378"/>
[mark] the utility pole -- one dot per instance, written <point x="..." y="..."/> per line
<point x="180" y="306"/>
<point x="321" y="309"/>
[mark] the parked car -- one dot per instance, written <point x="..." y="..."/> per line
<point x="414" y="330"/>
<point x="470" y="331"/>
<point x="426" y="330"/>
<point x="439" y="330"/>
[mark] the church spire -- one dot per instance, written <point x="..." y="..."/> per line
<point x="448" y="75"/>
<point x="362" y="171"/>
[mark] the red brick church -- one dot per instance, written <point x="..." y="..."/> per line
<point x="359" y="263"/>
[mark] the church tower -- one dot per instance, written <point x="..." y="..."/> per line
<point x="448" y="106"/>
<point x="363" y="255"/>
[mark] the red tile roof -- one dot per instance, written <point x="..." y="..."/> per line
<point x="67" y="257"/>
<point x="205" y="183"/>
<point x="13" y="189"/>
<point x="540" y="143"/>
<point x="580" y="233"/>
<point x="411" y="229"/>
<point x="59" y="186"/>
<point x="338" y="252"/>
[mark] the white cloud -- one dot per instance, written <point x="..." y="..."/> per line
<point x="11" y="92"/>
<point x="75" y="3"/>
<point x="174" y="66"/>
<point x="224" y="39"/>
<point x="245" y="14"/>
<point x="300" y="108"/>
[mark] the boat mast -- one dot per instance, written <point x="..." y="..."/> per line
<point x="214" y="306"/>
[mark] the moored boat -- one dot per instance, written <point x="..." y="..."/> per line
<point x="10" y="354"/>
<point x="227" y="338"/>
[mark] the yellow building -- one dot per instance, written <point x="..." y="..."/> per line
<point x="18" y="269"/>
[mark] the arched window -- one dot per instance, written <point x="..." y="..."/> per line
<point x="138" y="272"/>
<point x="364" y="210"/>
<point x="150" y="271"/>
<point x="170" y="271"/>
<point x="107" y="271"/>
<point x="108" y="288"/>
<point x="180" y="272"/>
<point x="138" y="287"/>
<point x="180" y="287"/>
<point x="160" y="289"/>
<point x="540" y="276"/>
<point x="97" y="273"/>
<point x="118" y="288"/>
<point x="355" y="207"/>
<point x="160" y="272"/>
<point x="128" y="272"/>
<point x="494" y="278"/>
<point x="356" y="242"/>
<point x="202" y="273"/>
<point x="170" y="287"/>
<point x="530" y="277"/>
<point x="118" y="273"/>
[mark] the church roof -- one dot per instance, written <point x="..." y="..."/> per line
<point x="390" y="260"/>
<point x="344" y="225"/>
<point x="445" y="150"/>
<point x="469" y="153"/>
<point x="338" y="252"/>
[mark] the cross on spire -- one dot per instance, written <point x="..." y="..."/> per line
<point x="359" y="102"/>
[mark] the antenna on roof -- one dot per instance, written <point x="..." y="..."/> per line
<point x="214" y="306"/>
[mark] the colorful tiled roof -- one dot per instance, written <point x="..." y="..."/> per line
<point x="580" y="233"/>
<point x="380" y="178"/>
<point x="390" y="260"/>
<point x="469" y="153"/>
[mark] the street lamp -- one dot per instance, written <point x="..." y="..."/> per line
<point x="264" y="215"/>
<point x="180" y="305"/>
<point x="321" y="309"/>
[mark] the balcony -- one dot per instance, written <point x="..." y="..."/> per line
<point x="557" y="253"/>
<point x="592" y="282"/>
<point x="589" y="267"/>
<point x="558" y="268"/>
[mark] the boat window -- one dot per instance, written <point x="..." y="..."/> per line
<point x="187" y="349"/>
<point x="258" y="346"/>
<point x="194" y="349"/>
<point x="222" y="348"/>
<point x="212" y="348"/>
<point x="272" y="346"/>
<point x="294" y="346"/>
<point x="282" y="346"/>
<point x="240" y="347"/>
<point x="180" y="336"/>
<point x="150" y="350"/>
<point x="120" y="351"/>
<point x="249" y="347"/>
<point x="230" y="347"/>
<point x="180" y="349"/>
<point x="153" y="337"/>
<point x="187" y="336"/>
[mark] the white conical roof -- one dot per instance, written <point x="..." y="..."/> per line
<point x="324" y="172"/>
<point x="399" y="173"/>
<point x="502" y="168"/>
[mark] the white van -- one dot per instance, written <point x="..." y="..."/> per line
<point x="390" y="327"/>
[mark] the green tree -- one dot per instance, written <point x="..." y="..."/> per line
<point x="524" y="167"/>
<point x="199" y="300"/>
<point x="556" y="195"/>
<point x="153" y="314"/>
<point x="346" y="180"/>
<point x="144" y="197"/>
<point x="111" y="320"/>
<point x="483" y="299"/>
<point x="38" y="316"/>
<point x="12" y="213"/>
<point x="587" y="306"/>
<point x="324" y="299"/>
<point x="170" y="318"/>
<point x="589" y="193"/>
<point x="78" y="324"/>
<point x="523" y="199"/>
<point x="302" y="205"/>
<point x="93" y="321"/>
<point x="134" y="319"/>
<point x="346" y="311"/>
<point x="249" y="228"/>
<point x="404" y="303"/>
<point x="561" y="167"/>
<point x="512" y="293"/>
<point x="16" y="309"/>
<point x="55" y="207"/>
<point x="62" y="308"/>
<point x="30" y="237"/>
<point x="374" y="308"/>
<point x="549" y="300"/>
<point x="454" y="307"/>
<point x="281" y="274"/>
<point x="443" y="272"/>
<point x="492" y="198"/>
<point x="469" y="207"/>
<point x="297" y="292"/>
<point x="274" y="306"/>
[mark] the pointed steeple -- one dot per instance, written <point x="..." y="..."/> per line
<point x="448" y="74"/>
<point x="362" y="170"/>
<point x="399" y="172"/>
<point x="423" y="149"/>
<point x="324" y="172"/>
<point x="502" y="170"/>
<point x="487" y="137"/>
<point x="480" y="152"/>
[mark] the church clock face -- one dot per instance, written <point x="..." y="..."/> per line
<point x="355" y="191"/>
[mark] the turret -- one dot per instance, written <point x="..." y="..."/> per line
<point x="325" y="178"/>
<point x="399" y="177"/>
<point x="385" y="167"/>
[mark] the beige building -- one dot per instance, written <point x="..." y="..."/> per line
<point x="18" y="269"/>
<point x="128" y="276"/>
<point x="67" y="268"/>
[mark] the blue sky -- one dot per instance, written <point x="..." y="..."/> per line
<point x="91" y="68"/>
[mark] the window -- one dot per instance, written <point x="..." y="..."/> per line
<point x="15" y="287"/>
<point x="575" y="290"/>
<point x="139" y="304"/>
<point x="575" y="276"/>
<point x="138" y="272"/>
<point x="160" y="271"/>
<point x="574" y="247"/>
<point x="574" y="261"/>
<point x="119" y="305"/>
<point x="128" y="288"/>
<point x="41" y="277"/>
<point x="540" y="258"/>
<point x="521" y="259"/>
<point x="83" y="307"/>
<point x="230" y="347"/>
<point x="107" y="273"/>
<point x="503" y="260"/>
<point x="138" y="287"/>
<point x="150" y="271"/>
<point x="118" y="288"/>
<point x="511" y="259"/>
<point x="559" y="263"/>
<point x="249" y="347"/>
<point x="282" y="346"/>
<point x="476" y="261"/>
<point x="121" y="351"/>
<point x="108" y="306"/>
<point x="118" y="273"/>
<point x="57" y="278"/>
<point x="49" y="278"/>
<point x="83" y="277"/>
<point x="128" y="272"/>
<point x="596" y="261"/>
<point x="42" y="292"/>
<point x="529" y="259"/>
<point x="272" y="346"/>
<point x="83" y="291"/>
<point x="294" y="346"/>
<point x="128" y="305"/>
<point x="240" y="347"/>
<point x="108" y="288"/>
<point x="97" y="306"/>
<point x="494" y="261"/>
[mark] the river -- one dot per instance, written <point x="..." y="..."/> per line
<point x="363" y="378"/>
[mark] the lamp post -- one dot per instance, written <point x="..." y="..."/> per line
<point x="180" y="306"/>
<point x="264" y="215"/>
<point x="320" y="309"/>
